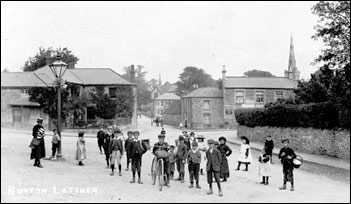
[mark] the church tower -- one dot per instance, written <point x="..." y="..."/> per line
<point x="292" y="73"/>
<point x="159" y="80"/>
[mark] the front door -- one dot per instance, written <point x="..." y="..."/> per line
<point x="17" y="117"/>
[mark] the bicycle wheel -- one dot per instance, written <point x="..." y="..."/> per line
<point x="153" y="171"/>
<point x="160" y="174"/>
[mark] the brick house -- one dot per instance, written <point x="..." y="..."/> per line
<point x="213" y="108"/>
<point x="85" y="78"/>
<point x="203" y="108"/>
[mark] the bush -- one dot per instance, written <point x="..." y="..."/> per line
<point x="316" y="115"/>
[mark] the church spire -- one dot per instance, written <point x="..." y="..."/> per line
<point x="292" y="61"/>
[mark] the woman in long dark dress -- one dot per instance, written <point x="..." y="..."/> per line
<point x="225" y="152"/>
<point x="38" y="144"/>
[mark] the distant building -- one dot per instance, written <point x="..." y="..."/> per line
<point x="203" y="108"/>
<point x="168" y="106"/>
<point x="12" y="84"/>
<point x="206" y="108"/>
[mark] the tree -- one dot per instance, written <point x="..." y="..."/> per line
<point x="5" y="70"/>
<point x="193" y="78"/>
<point x="334" y="29"/>
<point x="39" y="60"/>
<point x="143" y="94"/>
<point x="258" y="73"/>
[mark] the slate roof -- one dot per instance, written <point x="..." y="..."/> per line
<point x="167" y="88"/>
<point x="168" y="96"/>
<point x="88" y="76"/>
<point x="22" y="79"/>
<point x="205" y="92"/>
<point x="260" y="82"/>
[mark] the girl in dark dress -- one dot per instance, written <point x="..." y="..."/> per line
<point x="225" y="152"/>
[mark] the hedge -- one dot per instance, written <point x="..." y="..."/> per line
<point x="315" y="115"/>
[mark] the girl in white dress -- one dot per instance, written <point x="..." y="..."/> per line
<point x="265" y="169"/>
<point x="245" y="154"/>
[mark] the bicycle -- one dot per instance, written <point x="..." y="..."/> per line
<point x="157" y="171"/>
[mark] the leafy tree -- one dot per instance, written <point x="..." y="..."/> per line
<point x="47" y="98"/>
<point x="5" y="70"/>
<point x="193" y="78"/>
<point x="258" y="73"/>
<point x="39" y="60"/>
<point x="143" y="94"/>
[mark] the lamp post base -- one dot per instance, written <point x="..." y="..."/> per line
<point x="60" y="158"/>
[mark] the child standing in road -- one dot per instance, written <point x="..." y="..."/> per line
<point x="286" y="154"/>
<point x="55" y="143"/>
<point x="265" y="166"/>
<point x="194" y="160"/>
<point x="225" y="152"/>
<point x="213" y="166"/>
<point x="269" y="146"/>
<point x="172" y="158"/>
<point x="245" y="154"/>
<point x="81" y="152"/>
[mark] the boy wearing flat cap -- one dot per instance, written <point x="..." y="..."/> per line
<point x="194" y="160"/>
<point x="180" y="158"/>
<point x="127" y="147"/>
<point x="213" y="166"/>
<point x="161" y="145"/>
<point x="136" y="151"/>
<point x="286" y="154"/>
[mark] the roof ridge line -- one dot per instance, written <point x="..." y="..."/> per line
<point x="35" y="74"/>
<point x="77" y="77"/>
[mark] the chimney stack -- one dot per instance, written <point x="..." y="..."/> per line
<point x="132" y="74"/>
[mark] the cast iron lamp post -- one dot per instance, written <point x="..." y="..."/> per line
<point x="59" y="68"/>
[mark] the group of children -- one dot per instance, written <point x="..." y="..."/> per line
<point x="190" y="150"/>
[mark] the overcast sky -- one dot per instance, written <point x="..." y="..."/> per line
<point x="165" y="37"/>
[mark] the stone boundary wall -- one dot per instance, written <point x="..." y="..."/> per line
<point x="335" y="143"/>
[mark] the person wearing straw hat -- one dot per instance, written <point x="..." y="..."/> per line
<point x="245" y="154"/>
<point x="203" y="148"/>
<point x="286" y="154"/>
<point x="225" y="152"/>
<point x="213" y="166"/>
<point x="38" y="144"/>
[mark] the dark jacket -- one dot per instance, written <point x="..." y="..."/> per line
<point x="128" y="144"/>
<point x="214" y="160"/>
<point x="137" y="147"/>
<point x="182" y="151"/>
<point x="158" y="146"/>
<point x="116" y="145"/>
<point x="269" y="145"/>
<point x="284" y="159"/>
<point x="38" y="151"/>
<point x="107" y="143"/>
<point x="100" y="135"/>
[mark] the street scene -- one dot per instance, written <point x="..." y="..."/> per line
<point x="173" y="102"/>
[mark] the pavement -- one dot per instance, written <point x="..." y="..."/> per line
<point x="308" y="158"/>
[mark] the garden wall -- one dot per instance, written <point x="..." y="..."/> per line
<point x="335" y="143"/>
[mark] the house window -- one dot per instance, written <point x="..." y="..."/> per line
<point x="239" y="97"/>
<point x="259" y="96"/>
<point x="278" y="95"/>
<point x="24" y="92"/>
<point x="206" y="105"/>
<point x="155" y="95"/>
<point x="112" y="92"/>
<point x="207" y="118"/>
<point x="161" y="103"/>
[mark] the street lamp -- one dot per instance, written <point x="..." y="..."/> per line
<point x="58" y="68"/>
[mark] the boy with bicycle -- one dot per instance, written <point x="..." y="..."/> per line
<point x="161" y="145"/>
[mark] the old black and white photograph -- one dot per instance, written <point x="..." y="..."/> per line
<point x="175" y="102"/>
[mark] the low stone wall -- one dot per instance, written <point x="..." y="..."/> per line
<point x="335" y="143"/>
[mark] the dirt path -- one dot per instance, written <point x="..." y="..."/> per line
<point x="66" y="181"/>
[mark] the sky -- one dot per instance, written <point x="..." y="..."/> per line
<point x="164" y="37"/>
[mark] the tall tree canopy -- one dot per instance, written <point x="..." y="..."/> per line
<point x="258" y="73"/>
<point x="143" y="94"/>
<point x="192" y="78"/>
<point x="39" y="60"/>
